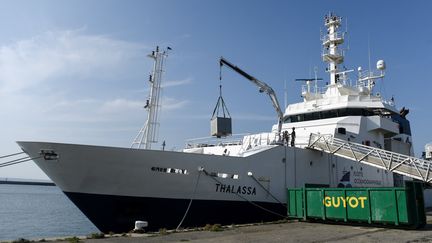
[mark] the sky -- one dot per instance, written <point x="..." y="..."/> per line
<point x="76" y="71"/>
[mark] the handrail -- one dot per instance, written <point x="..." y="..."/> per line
<point x="394" y="162"/>
<point x="211" y="141"/>
<point x="336" y="36"/>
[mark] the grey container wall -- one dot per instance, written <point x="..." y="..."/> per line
<point x="221" y="126"/>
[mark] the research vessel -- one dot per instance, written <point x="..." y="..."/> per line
<point x="244" y="180"/>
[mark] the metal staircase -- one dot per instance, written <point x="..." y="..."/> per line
<point x="398" y="163"/>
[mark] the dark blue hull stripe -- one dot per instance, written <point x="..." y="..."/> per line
<point x="119" y="213"/>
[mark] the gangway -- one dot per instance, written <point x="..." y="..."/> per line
<point x="398" y="163"/>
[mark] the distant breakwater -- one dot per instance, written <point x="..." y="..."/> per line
<point x="33" y="183"/>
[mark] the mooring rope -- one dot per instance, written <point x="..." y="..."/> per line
<point x="10" y="155"/>
<point x="190" y="202"/>
<point x="18" y="161"/>
<point x="247" y="200"/>
<point x="265" y="189"/>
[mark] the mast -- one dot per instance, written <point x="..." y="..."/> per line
<point x="149" y="132"/>
<point x="331" y="54"/>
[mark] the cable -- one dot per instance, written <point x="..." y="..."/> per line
<point x="10" y="155"/>
<point x="13" y="163"/>
<point x="265" y="189"/>
<point x="15" y="160"/>
<point x="190" y="202"/>
<point x="18" y="161"/>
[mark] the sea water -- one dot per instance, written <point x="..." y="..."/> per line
<point x="36" y="212"/>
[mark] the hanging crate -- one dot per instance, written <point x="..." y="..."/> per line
<point x="221" y="126"/>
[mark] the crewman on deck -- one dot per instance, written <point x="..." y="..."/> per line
<point x="285" y="137"/>
<point x="293" y="136"/>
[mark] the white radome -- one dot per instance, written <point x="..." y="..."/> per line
<point x="381" y="65"/>
<point x="428" y="150"/>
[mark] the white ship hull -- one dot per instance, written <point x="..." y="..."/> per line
<point x="114" y="187"/>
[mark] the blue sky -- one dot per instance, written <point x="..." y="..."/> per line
<point x="76" y="71"/>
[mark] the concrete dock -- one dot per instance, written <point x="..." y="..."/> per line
<point x="291" y="231"/>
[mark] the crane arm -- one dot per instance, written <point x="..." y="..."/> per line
<point x="263" y="87"/>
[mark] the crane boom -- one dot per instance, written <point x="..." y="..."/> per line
<point x="263" y="87"/>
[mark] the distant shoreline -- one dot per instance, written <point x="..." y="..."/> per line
<point x="33" y="183"/>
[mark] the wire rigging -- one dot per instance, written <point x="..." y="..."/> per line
<point x="221" y="106"/>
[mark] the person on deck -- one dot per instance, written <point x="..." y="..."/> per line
<point x="285" y="137"/>
<point x="293" y="136"/>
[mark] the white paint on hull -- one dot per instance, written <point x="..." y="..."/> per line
<point x="128" y="172"/>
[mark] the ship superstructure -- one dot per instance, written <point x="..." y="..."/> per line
<point x="345" y="108"/>
<point x="235" y="180"/>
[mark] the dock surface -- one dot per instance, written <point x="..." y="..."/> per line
<point x="292" y="231"/>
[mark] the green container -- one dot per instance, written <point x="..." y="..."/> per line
<point x="400" y="206"/>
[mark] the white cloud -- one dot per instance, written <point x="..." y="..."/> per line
<point x="125" y="105"/>
<point x="53" y="62"/>
<point x="68" y="86"/>
<point x="172" y="83"/>
<point x="62" y="105"/>
<point x="59" y="55"/>
<point x="121" y="105"/>
<point x="172" y="104"/>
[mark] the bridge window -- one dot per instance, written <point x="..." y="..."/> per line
<point x="329" y="114"/>
<point x="404" y="124"/>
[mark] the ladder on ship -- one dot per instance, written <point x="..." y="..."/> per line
<point x="398" y="163"/>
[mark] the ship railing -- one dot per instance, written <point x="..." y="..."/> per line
<point x="339" y="53"/>
<point x="313" y="89"/>
<point x="235" y="139"/>
<point x="264" y="139"/>
<point x="394" y="162"/>
<point x="360" y="85"/>
<point x="345" y="79"/>
<point x="388" y="102"/>
<point x="301" y="141"/>
<point x="336" y="36"/>
<point x="260" y="139"/>
<point x="368" y="74"/>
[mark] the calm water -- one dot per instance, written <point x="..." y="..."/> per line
<point x="39" y="211"/>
